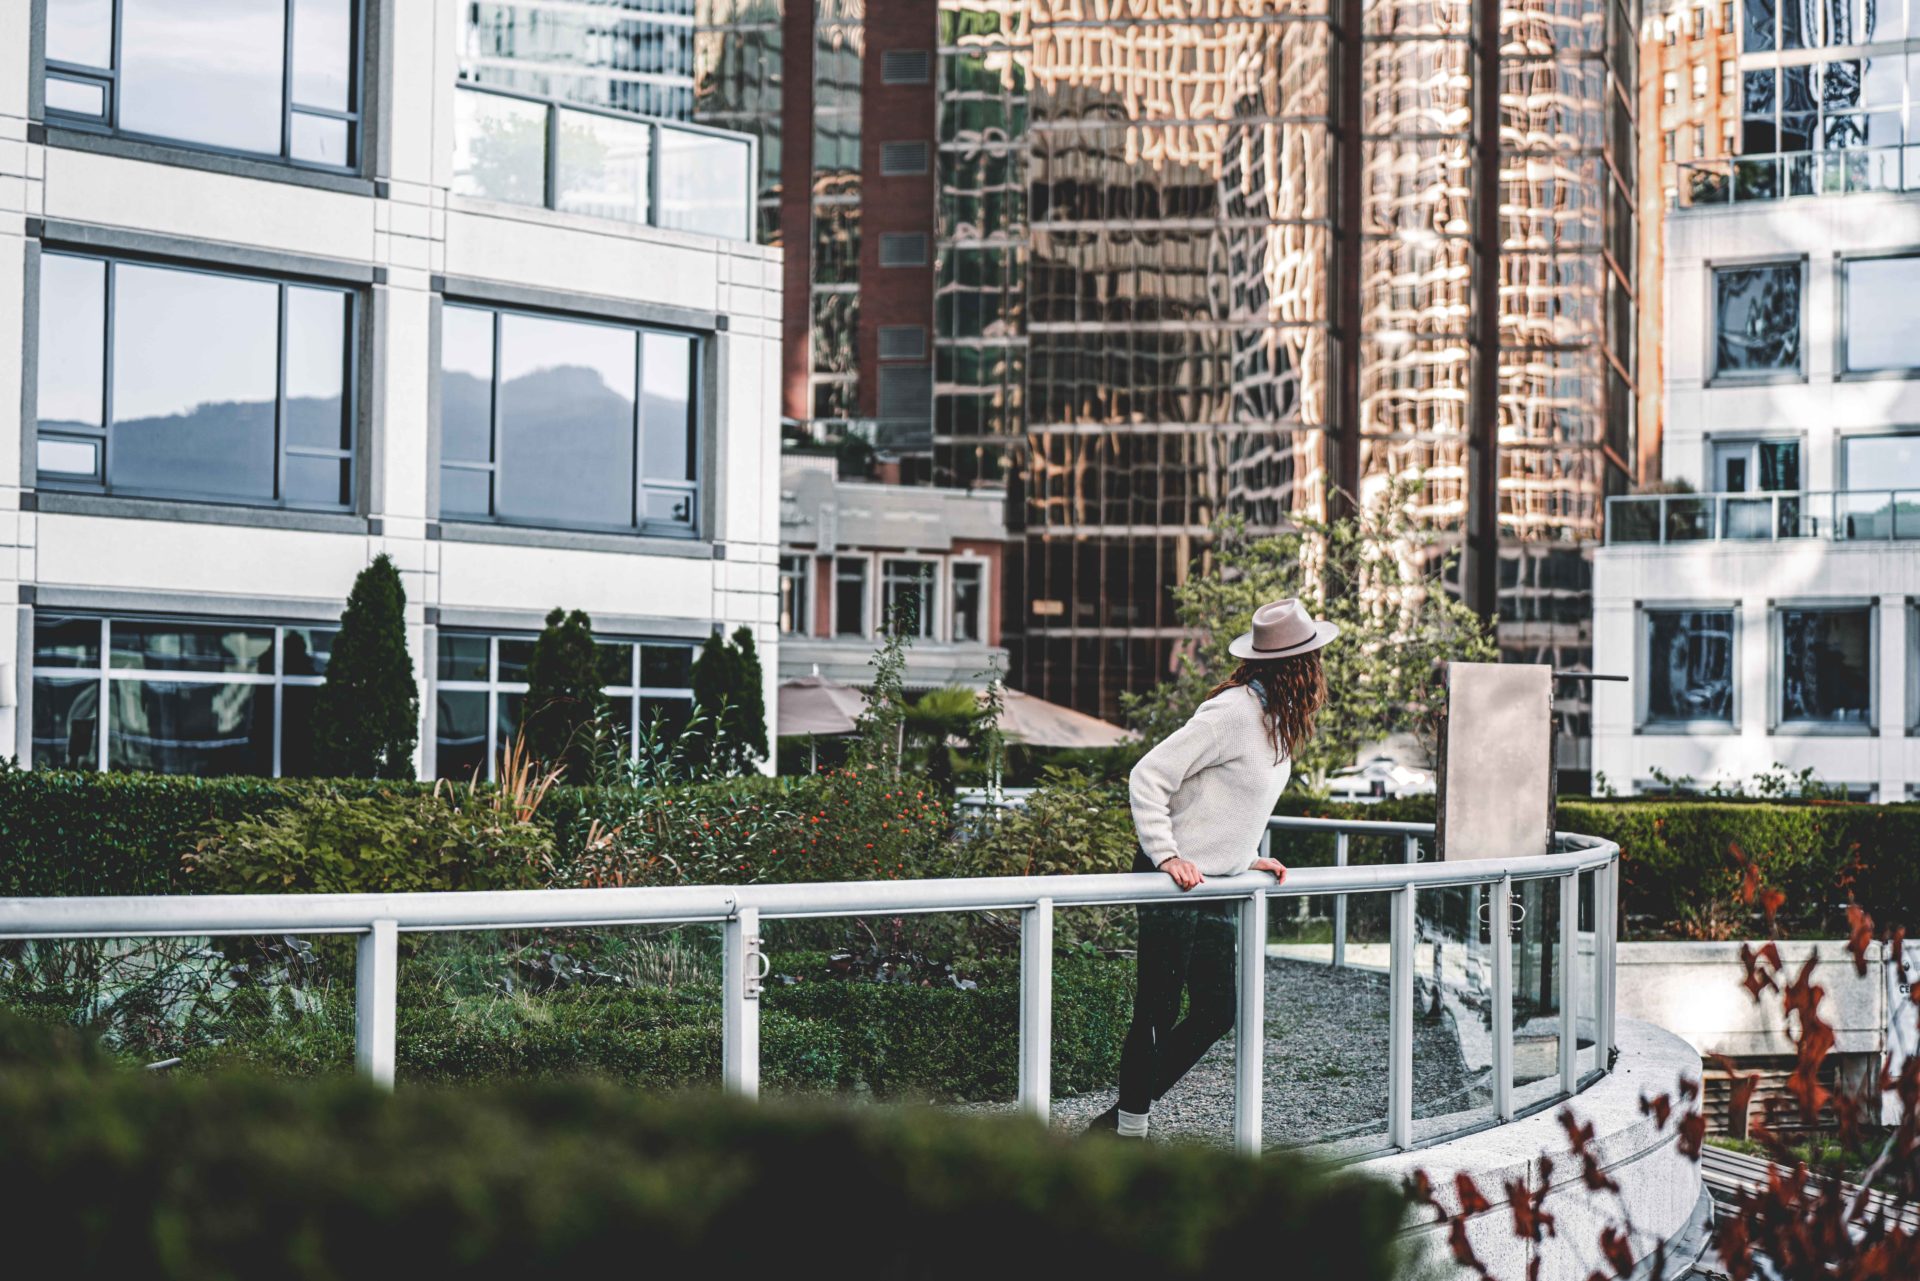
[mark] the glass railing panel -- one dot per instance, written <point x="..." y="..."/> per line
<point x="1452" y="1013"/>
<point x="1689" y="518"/>
<point x="706" y="183"/>
<point x="1585" y="1022"/>
<point x="1748" y="518"/>
<point x="499" y="148"/>
<point x="1865" y="515"/>
<point x="604" y="166"/>
<point x="1536" y="960"/>
<point x="1634" y="520"/>
<point x="1757" y="179"/>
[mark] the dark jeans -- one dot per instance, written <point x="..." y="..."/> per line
<point x="1182" y="949"/>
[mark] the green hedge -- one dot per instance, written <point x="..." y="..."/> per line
<point x="1680" y="879"/>
<point x="127" y="1174"/>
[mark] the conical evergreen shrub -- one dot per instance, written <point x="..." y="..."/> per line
<point x="366" y="719"/>
<point x="564" y="699"/>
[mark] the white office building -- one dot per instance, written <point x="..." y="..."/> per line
<point x="1768" y="617"/>
<point x="280" y="293"/>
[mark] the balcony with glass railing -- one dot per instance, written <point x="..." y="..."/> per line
<point x="1730" y="180"/>
<point x="607" y="164"/>
<point x="1850" y="515"/>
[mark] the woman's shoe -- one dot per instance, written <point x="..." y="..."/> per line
<point x="1107" y="1122"/>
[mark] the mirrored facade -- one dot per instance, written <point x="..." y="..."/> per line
<point x="631" y="55"/>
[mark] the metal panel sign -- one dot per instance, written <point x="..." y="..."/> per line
<point x="1496" y="761"/>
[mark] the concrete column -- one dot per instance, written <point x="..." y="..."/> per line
<point x="1890" y="753"/>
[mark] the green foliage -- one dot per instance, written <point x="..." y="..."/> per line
<point x="366" y="719"/>
<point x="329" y="843"/>
<point x="231" y="1176"/>
<point x="1373" y="575"/>
<point x="1071" y="825"/>
<point x="934" y="721"/>
<point x="880" y="734"/>
<point x="730" y="738"/>
<point x="564" y="701"/>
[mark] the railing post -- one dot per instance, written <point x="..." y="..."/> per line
<point x="1340" y="906"/>
<point x="1250" y="1026"/>
<point x="1567" y="992"/>
<point x="1400" y="1022"/>
<point x="1662" y="505"/>
<point x="1501" y="929"/>
<point x="740" y="979"/>
<point x="1410" y="847"/>
<point x="376" y="981"/>
<point x="1036" y="1010"/>
<point x="1606" y="887"/>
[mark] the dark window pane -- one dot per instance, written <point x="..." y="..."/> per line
<point x="317" y="482"/>
<point x="460" y="734"/>
<point x="466" y="385"/>
<point x="316" y="368"/>
<point x="463" y="658"/>
<point x="318" y="140"/>
<point x="170" y="727"/>
<point x="671" y="714"/>
<point x="466" y="492"/>
<point x="1758" y="27"/>
<point x="80" y="31"/>
<point x="1757" y="318"/>
<point x="195" y="379"/>
<point x="1882" y="322"/>
<point x="966" y="602"/>
<point x="322" y="53"/>
<point x="190" y="647"/>
<point x="296" y="730"/>
<point x="850" y="599"/>
<point x="515" y="654"/>
<point x="1690" y="665"/>
<point x="507" y="724"/>
<point x="59" y="641"/>
<point x="305" y="650"/>
<point x="1824" y="665"/>
<point x="66" y="717"/>
<point x="666" y="666"/>
<point x="615" y="662"/>
<point x="73" y="341"/>
<point x="907" y="594"/>
<point x="566" y="422"/>
<point x="666" y="416"/>
<point x="1779" y="464"/>
<point x="205" y="71"/>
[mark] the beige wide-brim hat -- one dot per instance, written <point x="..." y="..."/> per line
<point x="1283" y="629"/>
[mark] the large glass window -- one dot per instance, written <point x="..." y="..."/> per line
<point x="1756" y="319"/>
<point x="908" y="593"/>
<point x="1689" y="674"/>
<point x="794" y="596"/>
<point x="190" y="384"/>
<point x="558" y="422"/>
<point x="481" y="692"/>
<point x="1881" y="476"/>
<point x="849" y="597"/>
<point x="969" y="604"/>
<point x="180" y="696"/>
<point x="1826" y="666"/>
<point x="1882" y="325"/>
<point x="270" y="77"/>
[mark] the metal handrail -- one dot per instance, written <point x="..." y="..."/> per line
<point x="379" y="919"/>
<point x="1837" y="515"/>
<point x="1778" y="175"/>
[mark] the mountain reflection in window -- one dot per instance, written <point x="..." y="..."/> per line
<point x="1825" y="665"/>
<point x="1690" y="665"/>
<point x="1756" y="316"/>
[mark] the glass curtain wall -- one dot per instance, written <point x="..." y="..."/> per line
<point x="738" y="52"/>
<point x="838" y="55"/>
<point x="631" y="55"/>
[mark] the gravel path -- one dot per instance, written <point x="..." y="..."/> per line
<point x="1326" y="1057"/>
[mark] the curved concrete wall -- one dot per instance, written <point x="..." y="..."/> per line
<point x="1660" y="1188"/>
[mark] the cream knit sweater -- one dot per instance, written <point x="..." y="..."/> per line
<point x="1204" y="793"/>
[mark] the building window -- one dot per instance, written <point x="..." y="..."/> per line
<point x="899" y="159"/>
<point x="264" y="78"/>
<point x="1666" y="145"/>
<point x="480" y="695"/>
<point x="849" y="597"/>
<point x="1729" y="138"/>
<point x="907" y="594"/>
<point x="193" y="384"/>
<point x="969" y="600"/>
<point x="903" y="249"/>
<point x="1726" y="15"/>
<point x="182" y="696"/>
<point x="567" y="423"/>
<point x="1699" y="80"/>
<point x="1670" y="87"/>
<point x="1881" y="325"/>
<point x="794" y="619"/>
<point x="1729" y="77"/>
<point x="905" y="66"/>
<point x="1756" y="319"/>
<point x="1881" y="475"/>
<point x="1699" y="21"/>
<point x="1699" y="142"/>
<point x="1826" y="666"/>
<point x="1672" y="29"/>
<point x="1689" y="671"/>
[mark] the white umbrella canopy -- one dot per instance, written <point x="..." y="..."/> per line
<point x="816" y="705"/>
<point x="1038" y="723"/>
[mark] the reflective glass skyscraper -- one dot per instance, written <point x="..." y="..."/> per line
<point x="631" y="55"/>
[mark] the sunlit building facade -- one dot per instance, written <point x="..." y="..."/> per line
<point x="1248" y="258"/>
<point x="628" y="55"/>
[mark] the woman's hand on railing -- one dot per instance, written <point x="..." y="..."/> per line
<point x="1272" y="865"/>
<point x="1184" y="874"/>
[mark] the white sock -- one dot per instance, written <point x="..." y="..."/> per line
<point x="1133" y="1125"/>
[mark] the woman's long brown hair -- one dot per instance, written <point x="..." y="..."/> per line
<point x="1295" y="690"/>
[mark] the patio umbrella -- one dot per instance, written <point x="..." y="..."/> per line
<point x="814" y="705"/>
<point x="1038" y="723"/>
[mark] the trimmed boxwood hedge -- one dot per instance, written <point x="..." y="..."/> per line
<point x="127" y="1174"/>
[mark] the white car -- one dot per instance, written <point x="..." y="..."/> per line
<point x="1379" y="779"/>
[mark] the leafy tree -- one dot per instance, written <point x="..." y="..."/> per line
<point x="938" y="717"/>
<point x="1375" y="575"/>
<point x="564" y="704"/>
<point x="366" y="719"/>
<point x="731" y="738"/>
<point x="880" y="733"/>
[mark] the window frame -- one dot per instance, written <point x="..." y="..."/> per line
<point x="1644" y="720"/>
<point x="697" y="413"/>
<point x="105" y="674"/>
<point x="350" y="392"/>
<point x="1716" y="377"/>
<point x="866" y="598"/>
<point x="799" y="573"/>
<point x="932" y="629"/>
<point x="1777" y="723"/>
<point x="108" y="78"/>
<point x="986" y="603"/>
<point x="1843" y="366"/>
